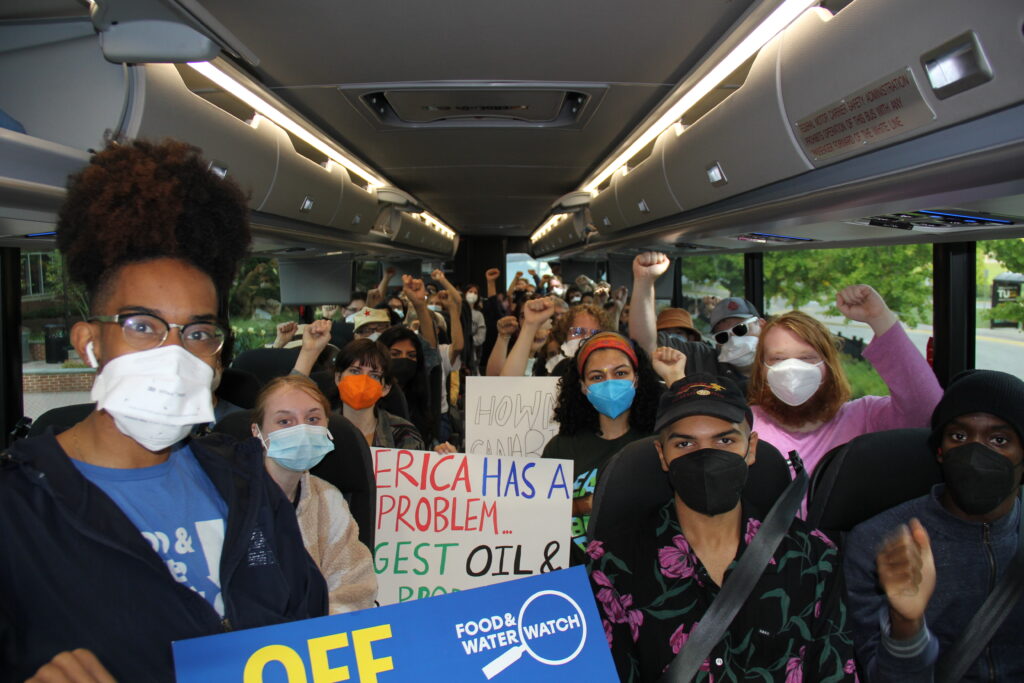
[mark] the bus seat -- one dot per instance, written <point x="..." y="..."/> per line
<point x="266" y="364"/>
<point x="240" y="387"/>
<point x="348" y="467"/>
<point x="870" y="474"/>
<point x="61" y="418"/>
<point x="632" y="485"/>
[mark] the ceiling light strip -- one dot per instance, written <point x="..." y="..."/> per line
<point x="778" y="20"/>
<point x="784" y="15"/>
<point x="272" y="113"/>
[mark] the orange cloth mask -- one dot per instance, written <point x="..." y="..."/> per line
<point x="359" y="391"/>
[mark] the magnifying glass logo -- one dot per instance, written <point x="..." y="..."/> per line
<point x="573" y="620"/>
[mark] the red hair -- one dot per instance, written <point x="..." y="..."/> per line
<point x="834" y="390"/>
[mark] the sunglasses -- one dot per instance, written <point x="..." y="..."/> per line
<point x="737" y="330"/>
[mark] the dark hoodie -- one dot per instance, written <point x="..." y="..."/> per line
<point x="76" y="573"/>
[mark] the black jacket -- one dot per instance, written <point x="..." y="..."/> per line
<point x="76" y="573"/>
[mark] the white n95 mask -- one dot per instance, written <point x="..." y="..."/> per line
<point x="570" y="347"/>
<point x="156" y="396"/>
<point x="793" y="381"/>
<point x="738" y="351"/>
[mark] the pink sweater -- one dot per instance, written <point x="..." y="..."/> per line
<point x="914" y="394"/>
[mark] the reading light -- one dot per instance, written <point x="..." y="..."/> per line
<point x="784" y="15"/>
<point x="716" y="176"/>
<point x="956" y="66"/>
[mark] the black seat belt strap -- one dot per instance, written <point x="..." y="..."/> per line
<point x="957" y="659"/>
<point x="737" y="588"/>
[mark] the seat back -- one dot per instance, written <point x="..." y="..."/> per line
<point x="870" y="474"/>
<point x="240" y="387"/>
<point x="266" y="364"/>
<point x="632" y="485"/>
<point x="348" y="467"/>
<point x="61" y="418"/>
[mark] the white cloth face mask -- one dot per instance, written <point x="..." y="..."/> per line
<point x="794" y="381"/>
<point x="738" y="351"/>
<point x="156" y="396"/>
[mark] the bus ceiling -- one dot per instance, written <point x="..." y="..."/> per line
<point x="743" y="126"/>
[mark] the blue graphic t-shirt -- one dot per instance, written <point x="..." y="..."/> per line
<point x="178" y="510"/>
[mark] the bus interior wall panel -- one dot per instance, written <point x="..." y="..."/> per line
<point x="746" y="137"/>
<point x="163" y="107"/>
<point x="973" y="162"/>
<point x="823" y="67"/>
<point x="605" y="214"/>
<point x="357" y="210"/>
<point x="643" y="194"/>
<point x="303" y="189"/>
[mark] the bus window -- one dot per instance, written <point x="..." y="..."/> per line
<point x="706" y="279"/>
<point x="999" y="343"/>
<point x="809" y="279"/>
<point x="524" y="263"/>
<point x="52" y="374"/>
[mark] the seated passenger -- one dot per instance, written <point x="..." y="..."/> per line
<point x="369" y="323"/>
<point x="115" y="533"/>
<point x="409" y="372"/>
<point x="676" y="323"/>
<point x="580" y="323"/>
<point x="798" y="388"/>
<point x="913" y="589"/>
<point x="363" y="375"/>
<point x="606" y="399"/>
<point x="290" y="420"/>
<point x="735" y="326"/>
<point x="654" y="584"/>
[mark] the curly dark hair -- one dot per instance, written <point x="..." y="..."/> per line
<point x="574" y="412"/>
<point x="367" y="352"/>
<point x="142" y="201"/>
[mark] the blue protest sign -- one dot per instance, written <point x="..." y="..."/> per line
<point x="541" y="628"/>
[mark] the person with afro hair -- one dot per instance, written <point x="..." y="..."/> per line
<point x="122" y="534"/>
<point x="607" y="398"/>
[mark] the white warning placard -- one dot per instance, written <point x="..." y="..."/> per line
<point x="884" y="109"/>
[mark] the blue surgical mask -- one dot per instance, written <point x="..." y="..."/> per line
<point x="298" y="448"/>
<point x="612" y="397"/>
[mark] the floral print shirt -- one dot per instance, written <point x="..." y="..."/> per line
<point x="652" y="590"/>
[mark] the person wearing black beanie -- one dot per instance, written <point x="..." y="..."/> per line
<point x="918" y="573"/>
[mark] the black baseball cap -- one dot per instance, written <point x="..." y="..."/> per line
<point x="703" y="394"/>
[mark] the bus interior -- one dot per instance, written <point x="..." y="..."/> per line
<point x="421" y="135"/>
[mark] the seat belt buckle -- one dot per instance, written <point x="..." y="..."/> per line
<point x="795" y="462"/>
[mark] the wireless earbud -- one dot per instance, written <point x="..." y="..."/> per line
<point x="91" y="355"/>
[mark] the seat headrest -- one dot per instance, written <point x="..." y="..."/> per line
<point x="240" y="387"/>
<point x="266" y="364"/>
<point x="870" y="474"/>
<point x="632" y="485"/>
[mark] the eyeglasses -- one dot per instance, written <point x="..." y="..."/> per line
<point x="737" y="330"/>
<point x="147" y="331"/>
<point x="582" y="332"/>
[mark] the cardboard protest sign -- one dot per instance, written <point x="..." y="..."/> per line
<point x="541" y="628"/>
<point x="451" y="522"/>
<point x="510" y="416"/>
